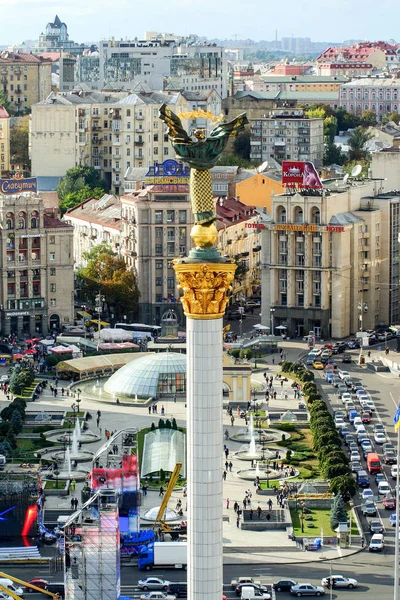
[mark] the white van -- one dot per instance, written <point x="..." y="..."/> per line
<point x="377" y="543"/>
<point x="7" y="583"/>
<point x="250" y="593"/>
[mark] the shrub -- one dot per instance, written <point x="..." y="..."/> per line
<point x="287" y="366"/>
<point x="344" y="485"/>
<point x="161" y="424"/>
<point x="153" y="427"/>
<point x="235" y="352"/>
<point x="16" y="421"/>
<point x="288" y="455"/>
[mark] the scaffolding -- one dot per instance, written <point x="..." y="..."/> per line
<point x="92" y="549"/>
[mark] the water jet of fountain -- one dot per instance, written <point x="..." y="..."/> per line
<point x="251" y="451"/>
<point x="67" y="462"/>
<point x="74" y="444"/>
<point x="258" y="472"/>
<point x="77" y="430"/>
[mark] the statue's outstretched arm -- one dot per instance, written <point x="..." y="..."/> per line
<point x="175" y="129"/>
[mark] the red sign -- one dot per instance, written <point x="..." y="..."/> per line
<point x="300" y="174"/>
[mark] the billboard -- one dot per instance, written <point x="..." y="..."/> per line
<point x="17" y="186"/>
<point x="300" y="174"/>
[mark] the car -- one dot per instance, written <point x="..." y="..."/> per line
<point x="388" y="447"/>
<point x="389" y="457"/>
<point x="352" y="414"/>
<point x="346" y="358"/>
<point x="368" y="508"/>
<point x="329" y="376"/>
<point x="369" y="405"/>
<point x="38" y="582"/>
<point x="357" y="421"/>
<point x="178" y="589"/>
<point x="362" y="437"/>
<point x="56" y="587"/>
<point x="336" y="381"/>
<point x="353" y="447"/>
<point x="355" y="455"/>
<point x="350" y="439"/>
<point x="376" y="526"/>
<point x="343" y="375"/>
<point x="361" y="392"/>
<point x="379" y="477"/>
<point x="348" y="381"/>
<point x="360" y="430"/>
<point x="384" y="488"/>
<point x="389" y="503"/>
<point x="156" y="595"/>
<point x="339" y="413"/>
<point x="392" y="519"/>
<point x="339" y="582"/>
<point x="346" y="397"/>
<point x="246" y="580"/>
<point x="284" y="585"/>
<point x="379" y="427"/>
<point x="355" y="466"/>
<point x="365" y="417"/>
<point x="4" y="379"/>
<point x="331" y="363"/>
<point x="257" y="588"/>
<point x="393" y="472"/>
<point x="318" y="365"/>
<point x="377" y="543"/>
<point x="379" y="437"/>
<point x="349" y="405"/>
<point x="153" y="583"/>
<point x="357" y="385"/>
<point x="367" y="494"/>
<point x="341" y="389"/>
<point x="307" y="589"/>
<point x="353" y="344"/>
<point x="366" y="447"/>
<point x="236" y="315"/>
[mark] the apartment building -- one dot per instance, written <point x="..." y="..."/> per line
<point x="325" y="256"/>
<point x="95" y="222"/>
<point x="24" y="78"/>
<point x="111" y="132"/>
<point x="156" y="223"/>
<point x="287" y="135"/>
<point x="4" y="142"/>
<point x="376" y="94"/>
<point x="37" y="289"/>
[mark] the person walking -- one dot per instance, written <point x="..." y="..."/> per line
<point x="227" y="503"/>
<point x="72" y="485"/>
<point x="161" y="491"/>
<point x="259" y="511"/>
<point x="230" y="465"/>
<point x="270" y="504"/>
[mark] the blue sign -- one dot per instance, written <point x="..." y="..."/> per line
<point x="170" y="172"/>
<point x="17" y="186"/>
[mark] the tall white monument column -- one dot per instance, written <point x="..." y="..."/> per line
<point x="204" y="286"/>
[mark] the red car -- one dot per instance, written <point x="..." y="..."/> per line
<point x="389" y="503"/>
<point x="40" y="583"/>
<point x="366" y="417"/>
<point x="329" y="346"/>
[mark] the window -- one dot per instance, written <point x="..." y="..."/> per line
<point x="171" y="233"/>
<point x="166" y="151"/>
<point x="170" y="248"/>
<point x="52" y="271"/>
<point x="283" y="299"/>
<point x="182" y="249"/>
<point x="159" y="264"/>
<point x="52" y="302"/>
<point x="300" y="300"/>
<point x="158" y="216"/>
<point x="155" y="137"/>
<point x="158" y="281"/>
<point x="171" y="283"/>
<point x="159" y="298"/>
<point x="52" y="287"/>
<point x="155" y="150"/>
<point x="52" y="239"/>
<point x="158" y="249"/>
<point x="159" y="232"/>
<point x="170" y="216"/>
<point x="52" y="256"/>
<point x="128" y="112"/>
<point x="182" y="216"/>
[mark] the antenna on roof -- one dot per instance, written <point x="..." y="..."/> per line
<point x="345" y="178"/>
<point x="262" y="167"/>
<point x="356" y="170"/>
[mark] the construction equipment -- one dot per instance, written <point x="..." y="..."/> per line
<point x="173" y="530"/>
<point x="24" y="583"/>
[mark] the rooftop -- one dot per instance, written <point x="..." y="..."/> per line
<point x="231" y="211"/>
<point x="20" y="57"/>
<point x="372" y="81"/>
<point x="3" y="113"/>
<point x="106" y="211"/>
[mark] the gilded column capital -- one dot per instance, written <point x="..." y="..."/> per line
<point x="204" y="288"/>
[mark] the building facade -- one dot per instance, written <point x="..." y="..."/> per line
<point x="381" y="96"/>
<point x="95" y="222"/>
<point x="324" y="257"/>
<point x="24" y="78"/>
<point x="111" y="132"/>
<point x="37" y="289"/>
<point x="156" y="223"/>
<point x="4" y="142"/>
<point x="287" y="135"/>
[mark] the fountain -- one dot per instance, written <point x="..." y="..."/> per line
<point x="74" y="453"/>
<point x="84" y="437"/>
<point x="252" y="446"/>
<point x="264" y="473"/>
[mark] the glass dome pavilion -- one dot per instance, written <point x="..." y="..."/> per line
<point x="154" y="375"/>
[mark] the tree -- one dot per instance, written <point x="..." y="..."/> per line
<point x="393" y="116"/>
<point x="19" y="142"/>
<point x="16" y="421"/>
<point x="232" y="160"/>
<point x="368" y="118"/>
<point x="241" y="145"/>
<point x="338" y="512"/>
<point x="333" y="155"/>
<point x="345" y="485"/>
<point x="4" y="102"/>
<point x="78" y="184"/>
<point x="358" y="142"/>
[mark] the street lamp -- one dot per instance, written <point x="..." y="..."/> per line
<point x="98" y="307"/>
<point x="272" y="310"/>
<point x="363" y="308"/>
<point x="241" y="311"/>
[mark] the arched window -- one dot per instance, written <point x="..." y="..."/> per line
<point x="21" y="220"/>
<point x="34" y="220"/>
<point x="281" y="214"/>
<point x="315" y="215"/>
<point x="10" y="220"/>
<point x="298" y="214"/>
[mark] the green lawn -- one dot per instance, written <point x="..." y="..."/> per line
<point x="321" y="518"/>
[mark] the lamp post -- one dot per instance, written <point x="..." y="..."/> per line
<point x="74" y="407"/>
<point x="272" y="310"/>
<point x="98" y="307"/>
<point x="363" y="308"/>
<point x="56" y="473"/>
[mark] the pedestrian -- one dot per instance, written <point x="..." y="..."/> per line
<point x="259" y="511"/>
<point x="244" y="503"/>
<point x="72" y="485"/>
<point x="149" y="410"/>
<point x="226" y="465"/>
<point x="99" y="414"/>
<point x="161" y="491"/>
<point x="227" y="503"/>
<point x="268" y="516"/>
<point x="162" y="410"/>
<point x="226" y="452"/>
<point x="270" y="504"/>
<point x="251" y="514"/>
<point x="224" y="475"/>
<point x="238" y="522"/>
<point x="273" y="360"/>
<point x="232" y="420"/>
<point x="281" y="382"/>
<point x="230" y="465"/>
<point x="76" y="502"/>
<point x="72" y="503"/>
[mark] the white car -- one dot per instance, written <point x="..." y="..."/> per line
<point x="361" y="394"/>
<point x="370" y="405"/>
<point x="377" y="543"/>
<point x="357" y="422"/>
<point x="393" y="472"/>
<point x="367" y="494"/>
<point x="156" y="596"/>
<point x="379" y="437"/>
<point x="355" y="456"/>
<point x="340" y="422"/>
<point x="344" y="374"/>
<point x="360" y="430"/>
<point x="340" y="582"/>
<point x="384" y="488"/>
<point x="347" y="397"/>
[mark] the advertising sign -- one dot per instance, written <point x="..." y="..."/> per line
<point x="17" y="186"/>
<point x="170" y="172"/>
<point x="300" y="174"/>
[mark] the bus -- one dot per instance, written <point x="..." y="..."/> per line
<point x="140" y="330"/>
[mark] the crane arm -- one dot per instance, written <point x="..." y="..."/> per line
<point x="21" y="582"/>
<point x="168" y="492"/>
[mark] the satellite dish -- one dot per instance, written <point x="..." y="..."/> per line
<point x="356" y="170"/>
<point x="345" y="178"/>
<point x="262" y="167"/>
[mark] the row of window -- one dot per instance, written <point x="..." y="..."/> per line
<point x="170" y="249"/>
<point x="169" y="216"/>
<point x="170" y="282"/>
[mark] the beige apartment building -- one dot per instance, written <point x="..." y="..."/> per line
<point x="24" y="78"/>
<point x="330" y="260"/>
<point x="37" y="283"/>
<point x="156" y="223"/>
<point x="287" y="135"/>
<point x="111" y="132"/>
<point x="95" y="222"/>
<point x="4" y="142"/>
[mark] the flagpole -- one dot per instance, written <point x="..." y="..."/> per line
<point x="397" y="542"/>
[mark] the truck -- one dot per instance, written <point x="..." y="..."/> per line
<point x="163" y="554"/>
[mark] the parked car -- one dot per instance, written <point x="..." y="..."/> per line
<point x="153" y="583"/>
<point x="339" y="581"/>
<point x="376" y="526"/>
<point x="307" y="589"/>
<point x="284" y="585"/>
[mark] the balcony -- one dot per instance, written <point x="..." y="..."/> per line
<point x="116" y="169"/>
<point x="117" y="156"/>
<point x="97" y="140"/>
<point x="138" y="142"/>
<point x="139" y="130"/>
<point x="12" y="295"/>
<point x="116" y="142"/>
<point x="96" y="128"/>
<point x="139" y="117"/>
<point x="24" y="278"/>
<point x="116" y="125"/>
<point x="116" y="181"/>
<point x="138" y="155"/>
<point x="117" y="113"/>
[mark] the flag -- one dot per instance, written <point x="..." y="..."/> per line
<point x="396" y="419"/>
